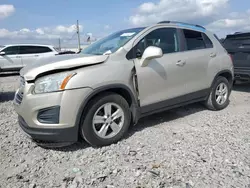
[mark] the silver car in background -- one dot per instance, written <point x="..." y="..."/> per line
<point x="15" y="56"/>
<point x="117" y="80"/>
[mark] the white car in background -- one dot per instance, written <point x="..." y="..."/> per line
<point x="15" y="56"/>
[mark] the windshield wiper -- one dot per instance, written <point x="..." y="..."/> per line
<point x="107" y="52"/>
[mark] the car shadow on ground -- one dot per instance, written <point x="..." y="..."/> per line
<point x="9" y="74"/>
<point x="242" y="86"/>
<point x="166" y="116"/>
<point x="149" y="121"/>
<point x="80" y="145"/>
<point x="6" y="96"/>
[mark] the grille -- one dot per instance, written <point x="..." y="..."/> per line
<point x="22" y="82"/>
<point x="19" y="94"/>
<point x="19" y="97"/>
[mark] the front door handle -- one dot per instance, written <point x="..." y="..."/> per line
<point x="18" y="56"/>
<point x="181" y="63"/>
<point x="213" y="55"/>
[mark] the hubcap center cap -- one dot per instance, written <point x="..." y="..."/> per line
<point x="108" y="120"/>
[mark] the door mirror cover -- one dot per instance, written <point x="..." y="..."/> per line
<point x="2" y="53"/>
<point x="151" y="52"/>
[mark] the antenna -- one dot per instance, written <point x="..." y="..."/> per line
<point x="59" y="44"/>
<point x="78" y="35"/>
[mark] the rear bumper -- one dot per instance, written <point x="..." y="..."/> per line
<point x="242" y="74"/>
<point x="50" y="135"/>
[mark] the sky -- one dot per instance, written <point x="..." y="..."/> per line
<point x="34" y="21"/>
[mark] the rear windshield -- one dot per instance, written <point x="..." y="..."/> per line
<point x="237" y="42"/>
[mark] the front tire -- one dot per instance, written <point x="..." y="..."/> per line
<point x="106" y="120"/>
<point x="219" y="95"/>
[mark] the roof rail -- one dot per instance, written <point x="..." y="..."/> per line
<point x="175" y="22"/>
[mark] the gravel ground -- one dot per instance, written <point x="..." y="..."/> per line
<point x="185" y="147"/>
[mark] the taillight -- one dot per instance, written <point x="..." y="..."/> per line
<point x="231" y="57"/>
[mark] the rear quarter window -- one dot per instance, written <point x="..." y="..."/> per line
<point x="207" y="41"/>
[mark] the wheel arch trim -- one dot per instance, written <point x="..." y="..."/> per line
<point x="219" y="73"/>
<point x="134" y="107"/>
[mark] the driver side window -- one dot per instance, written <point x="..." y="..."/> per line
<point x="164" y="38"/>
<point x="12" y="50"/>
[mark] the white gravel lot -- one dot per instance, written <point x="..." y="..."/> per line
<point x="185" y="147"/>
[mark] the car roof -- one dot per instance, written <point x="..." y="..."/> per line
<point x="238" y="34"/>
<point x="175" y="24"/>
<point x="183" y="25"/>
<point x="44" y="45"/>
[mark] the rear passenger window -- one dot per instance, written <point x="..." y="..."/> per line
<point x="194" y="40"/>
<point x="207" y="41"/>
<point x="41" y="49"/>
<point x="34" y="49"/>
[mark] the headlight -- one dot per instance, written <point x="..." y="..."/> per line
<point x="51" y="83"/>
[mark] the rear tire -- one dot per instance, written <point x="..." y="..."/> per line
<point x="106" y="120"/>
<point x="219" y="95"/>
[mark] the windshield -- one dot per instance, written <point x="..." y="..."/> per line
<point x="1" y="47"/>
<point x="111" y="43"/>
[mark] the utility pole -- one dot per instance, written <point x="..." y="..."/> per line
<point x="78" y="35"/>
<point x="59" y="44"/>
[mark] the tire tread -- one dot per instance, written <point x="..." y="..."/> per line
<point x="210" y="103"/>
<point x="86" y="132"/>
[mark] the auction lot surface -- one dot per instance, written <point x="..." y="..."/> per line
<point x="185" y="147"/>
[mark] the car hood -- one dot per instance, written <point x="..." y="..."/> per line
<point x="43" y="65"/>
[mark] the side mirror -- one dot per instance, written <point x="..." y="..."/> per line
<point x="151" y="52"/>
<point x="2" y="53"/>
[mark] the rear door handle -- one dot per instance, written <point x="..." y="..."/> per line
<point x="18" y="56"/>
<point x="213" y="55"/>
<point x="181" y="63"/>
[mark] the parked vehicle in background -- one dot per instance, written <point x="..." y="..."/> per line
<point x="119" y="79"/>
<point x="15" y="56"/>
<point x="66" y="52"/>
<point x="238" y="46"/>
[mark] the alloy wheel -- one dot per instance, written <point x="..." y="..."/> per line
<point x="221" y="93"/>
<point x="108" y="120"/>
